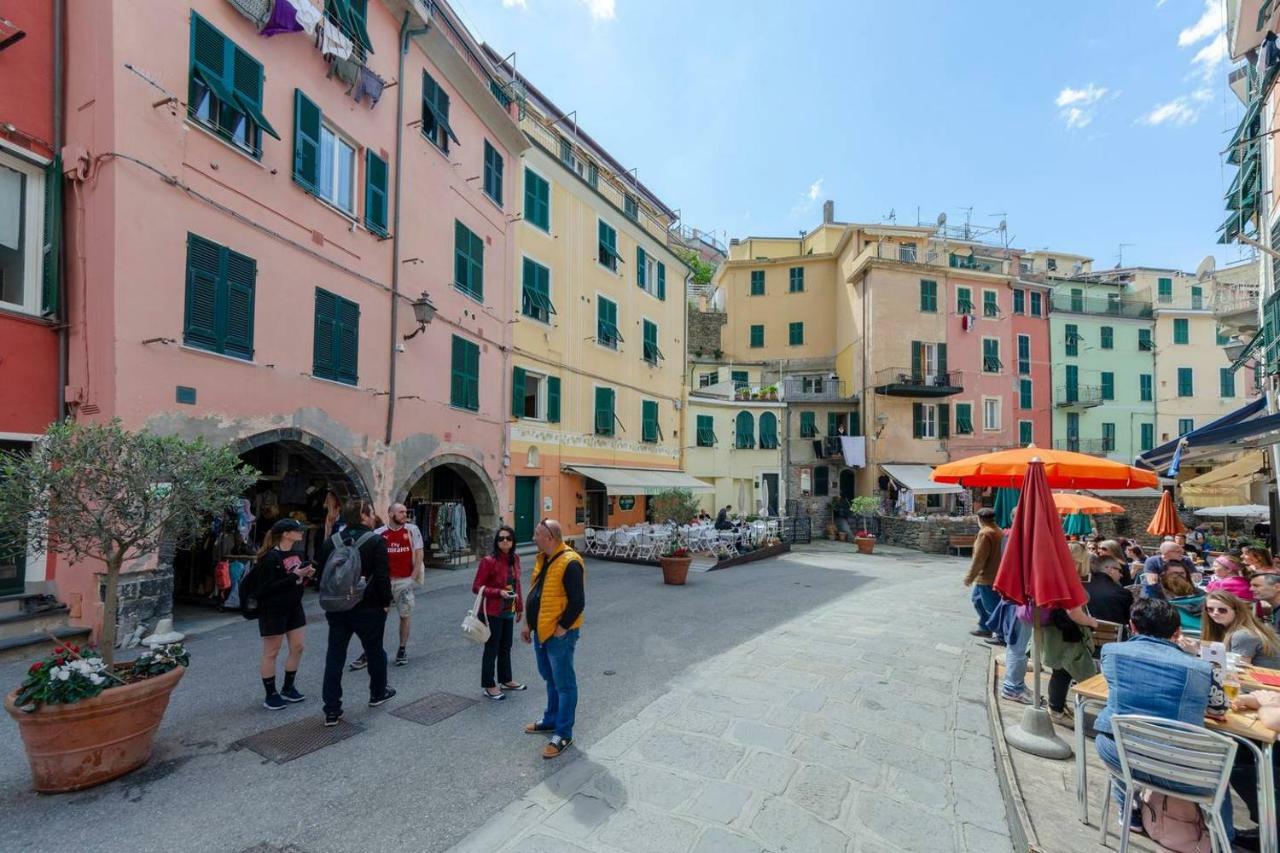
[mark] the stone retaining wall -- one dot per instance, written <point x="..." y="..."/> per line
<point x="929" y="534"/>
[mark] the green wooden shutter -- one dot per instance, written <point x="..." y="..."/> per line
<point x="941" y="350"/>
<point x="944" y="420"/>
<point x="832" y="423"/>
<point x="246" y="86"/>
<point x="640" y="266"/>
<point x="604" y="411"/>
<point x="553" y="399"/>
<point x="649" y="420"/>
<point x="917" y="420"/>
<point x="662" y="280"/>
<point x="473" y="377"/>
<point x="348" y="332"/>
<point x="241" y="278"/>
<point x="375" y="193"/>
<point x="517" y="392"/>
<point x="808" y="427"/>
<point x="322" y="349"/>
<point x="917" y="362"/>
<point x="306" y="142"/>
<point x="51" y="239"/>
<point x="200" y="317"/>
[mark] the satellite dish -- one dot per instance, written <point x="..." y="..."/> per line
<point x="942" y="219"/>
<point x="1207" y="268"/>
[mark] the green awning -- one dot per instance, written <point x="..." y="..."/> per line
<point x="1250" y="116"/>
<point x="215" y="85"/>
<point x="1231" y="228"/>
<point x="441" y="121"/>
<point x="611" y="252"/>
<point x="254" y="111"/>
<point x="539" y="300"/>
<point x="1247" y="353"/>
<point x="611" y="331"/>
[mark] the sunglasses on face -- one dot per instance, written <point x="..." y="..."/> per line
<point x="504" y="538"/>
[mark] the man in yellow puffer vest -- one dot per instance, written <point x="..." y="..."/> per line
<point x="553" y="615"/>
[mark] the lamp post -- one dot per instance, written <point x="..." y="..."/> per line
<point x="424" y="311"/>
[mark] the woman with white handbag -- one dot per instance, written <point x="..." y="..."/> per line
<point x="500" y="605"/>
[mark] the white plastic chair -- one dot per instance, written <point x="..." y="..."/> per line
<point x="1180" y="752"/>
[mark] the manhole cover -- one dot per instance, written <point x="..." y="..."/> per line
<point x="297" y="739"/>
<point x="433" y="708"/>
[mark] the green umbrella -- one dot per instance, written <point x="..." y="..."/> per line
<point x="1077" y="524"/>
<point x="1006" y="500"/>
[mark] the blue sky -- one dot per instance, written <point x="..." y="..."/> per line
<point x="1089" y="123"/>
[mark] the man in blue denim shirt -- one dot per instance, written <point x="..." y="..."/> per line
<point x="1149" y="674"/>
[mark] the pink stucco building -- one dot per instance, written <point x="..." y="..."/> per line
<point x="249" y="239"/>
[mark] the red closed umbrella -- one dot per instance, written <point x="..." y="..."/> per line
<point x="1037" y="569"/>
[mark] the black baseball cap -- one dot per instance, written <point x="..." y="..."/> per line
<point x="288" y="525"/>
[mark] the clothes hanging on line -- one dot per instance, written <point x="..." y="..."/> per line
<point x="283" y="19"/>
<point x="333" y="43"/>
<point x="258" y="11"/>
<point x="369" y="84"/>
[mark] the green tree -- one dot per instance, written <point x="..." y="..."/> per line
<point x="678" y="505"/>
<point x="99" y="491"/>
<point x="702" y="270"/>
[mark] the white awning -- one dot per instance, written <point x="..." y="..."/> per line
<point x="1257" y="511"/>
<point x="919" y="479"/>
<point x="639" y="481"/>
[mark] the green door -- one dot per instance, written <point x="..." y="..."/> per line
<point x="526" y="507"/>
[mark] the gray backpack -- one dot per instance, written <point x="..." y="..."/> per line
<point x="342" y="584"/>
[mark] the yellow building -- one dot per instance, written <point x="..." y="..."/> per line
<point x="599" y="337"/>
<point x="733" y="427"/>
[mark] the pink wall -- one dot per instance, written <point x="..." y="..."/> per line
<point x="964" y="353"/>
<point x="1037" y="328"/>
<point x="128" y="280"/>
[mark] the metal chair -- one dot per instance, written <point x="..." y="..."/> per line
<point x="1179" y="752"/>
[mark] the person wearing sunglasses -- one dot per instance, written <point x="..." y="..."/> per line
<point x="498" y="578"/>
<point x="1230" y="620"/>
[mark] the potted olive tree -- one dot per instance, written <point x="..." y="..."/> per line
<point x="864" y="506"/>
<point x="680" y="507"/>
<point x="102" y="493"/>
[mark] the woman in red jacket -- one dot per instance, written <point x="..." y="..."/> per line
<point x="498" y="575"/>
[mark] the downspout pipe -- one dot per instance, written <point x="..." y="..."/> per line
<point x="60" y="281"/>
<point x="393" y="337"/>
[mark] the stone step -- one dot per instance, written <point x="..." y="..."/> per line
<point x="702" y="563"/>
<point x="26" y="635"/>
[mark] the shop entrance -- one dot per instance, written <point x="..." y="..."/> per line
<point x="847" y="490"/>
<point x="299" y="477"/>
<point x="455" y="506"/>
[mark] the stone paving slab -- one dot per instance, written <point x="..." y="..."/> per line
<point x="848" y="729"/>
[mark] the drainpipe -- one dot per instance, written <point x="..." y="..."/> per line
<point x="684" y="371"/>
<point x="60" y="286"/>
<point x="393" y="336"/>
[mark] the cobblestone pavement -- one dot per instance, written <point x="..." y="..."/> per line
<point x="860" y="726"/>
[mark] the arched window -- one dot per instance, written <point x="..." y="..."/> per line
<point x="768" y="431"/>
<point x="533" y="460"/>
<point x="744" y="431"/>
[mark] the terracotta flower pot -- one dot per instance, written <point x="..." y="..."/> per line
<point x="675" y="570"/>
<point x="865" y="544"/>
<point x="76" y="746"/>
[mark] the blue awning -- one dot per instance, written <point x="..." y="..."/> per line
<point x="1247" y="427"/>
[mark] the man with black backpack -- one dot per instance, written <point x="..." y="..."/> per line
<point x="355" y="592"/>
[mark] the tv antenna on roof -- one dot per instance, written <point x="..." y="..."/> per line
<point x="1120" y="254"/>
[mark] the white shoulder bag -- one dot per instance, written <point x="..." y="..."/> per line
<point x="475" y="625"/>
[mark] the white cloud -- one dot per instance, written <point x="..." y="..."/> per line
<point x="815" y="190"/>
<point x="1210" y="58"/>
<point x="601" y="10"/>
<point x="509" y="4"/>
<point x="1179" y="112"/>
<point x="808" y="199"/>
<point x="1212" y="21"/>
<point x="1076" y="105"/>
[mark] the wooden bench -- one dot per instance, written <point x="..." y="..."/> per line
<point x="956" y="544"/>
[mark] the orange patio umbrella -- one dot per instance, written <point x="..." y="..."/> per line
<point x="1063" y="469"/>
<point x="1166" y="521"/>
<point x="1069" y="503"/>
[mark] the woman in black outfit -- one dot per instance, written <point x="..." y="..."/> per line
<point x="499" y="576"/>
<point x="278" y="577"/>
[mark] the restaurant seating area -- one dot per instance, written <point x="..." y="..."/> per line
<point x="649" y="542"/>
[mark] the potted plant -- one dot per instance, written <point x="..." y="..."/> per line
<point x="864" y="506"/>
<point x="771" y="392"/>
<point x="678" y="506"/>
<point x="99" y="492"/>
<point x="675" y="565"/>
<point x="840" y="516"/>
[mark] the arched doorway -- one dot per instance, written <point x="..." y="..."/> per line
<point x="297" y="473"/>
<point x="454" y="503"/>
<point x="846" y="484"/>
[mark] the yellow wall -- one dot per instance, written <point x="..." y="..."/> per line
<point x="725" y="466"/>
<point x="779" y="307"/>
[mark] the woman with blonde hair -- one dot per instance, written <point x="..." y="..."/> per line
<point x="1067" y="647"/>
<point x="1230" y="620"/>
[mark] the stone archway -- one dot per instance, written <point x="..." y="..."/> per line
<point x="476" y="479"/>
<point x="327" y="458"/>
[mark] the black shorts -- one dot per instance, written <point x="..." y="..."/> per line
<point x="272" y="623"/>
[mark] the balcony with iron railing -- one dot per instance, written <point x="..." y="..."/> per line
<point x="817" y="390"/>
<point x="1092" y="446"/>
<point x="1102" y="306"/>
<point x="1235" y="307"/>
<point x="909" y="382"/>
<point x="1078" y="396"/>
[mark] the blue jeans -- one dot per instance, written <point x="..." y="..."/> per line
<point x="1106" y="746"/>
<point x="1015" y="658"/>
<point x="984" y="599"/>
<point x="555" y="665"/>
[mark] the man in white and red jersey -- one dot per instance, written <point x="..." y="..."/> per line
<point x="404" y="553"/>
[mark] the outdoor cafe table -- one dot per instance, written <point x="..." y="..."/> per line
<point x="1244" y="727"/>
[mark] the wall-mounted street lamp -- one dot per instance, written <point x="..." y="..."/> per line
<point x="423" y="311"/>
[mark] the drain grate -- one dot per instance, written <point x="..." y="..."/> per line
<point x="294" y="740"/>
<point x="433" y="708"/>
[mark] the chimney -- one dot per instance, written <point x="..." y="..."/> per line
<point x="733" y="241"/>
<point x="828" y="212"/>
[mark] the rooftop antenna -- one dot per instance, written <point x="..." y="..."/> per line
<point x="968" y="214"/>
<point x="1120" y="254"/>
<point x="892" y="217"/>
<point x="1003" y="228"/>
